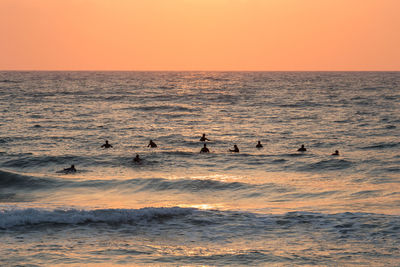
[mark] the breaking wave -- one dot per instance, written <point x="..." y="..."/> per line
<point x="32" y="216"/>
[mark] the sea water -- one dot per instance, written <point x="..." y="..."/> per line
<point x="268" y="206"/>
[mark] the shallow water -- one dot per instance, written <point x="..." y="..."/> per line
<point x="178" y="207"/>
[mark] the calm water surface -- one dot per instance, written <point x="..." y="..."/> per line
<point x="269" y="206"/>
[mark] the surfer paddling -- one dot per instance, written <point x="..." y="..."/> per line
<point x="336" y="153"/>
<point x="235" y="149"/>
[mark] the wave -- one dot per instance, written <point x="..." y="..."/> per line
<point x="26" y="217"/>
<point x="4" y="140"/>
<point x="166" y="86"/>
<point x="298" y="154"/>
<point x="9" y="81"/>
<point x="180" y="153"/>
<point x="14" y="180"/>
<point x="331" y="164"/>
<point x="374" y="89"/>
<point x="217" y="79"/>
<point x="190" y="185"/>
<point x="30" y="161"/>
<point x="392" y="169"/>
<point x="367" y="193"/>
<point x="303" y="103"/>
<point x="381" y="146"/>
<point x="341" y="225"/>
<point x="9" y="179"/>
<point x="390" y="127"/>
<point x="167" y="108"/>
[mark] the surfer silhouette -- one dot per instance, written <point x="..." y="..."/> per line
<point x="137" y="159"/>
<point x="235" y="149"/>
<point x="106" y="145"/>
<point x="70" y="169"/>
<point x="259" y="145"/>
<point x="302" y="149"/>
<point x="151" y="144"/>
<point x="204" y="138"/>
<point x="336" y="153"/>
<point x="204" y="149"/>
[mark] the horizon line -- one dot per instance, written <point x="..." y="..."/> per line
<point x="122" y="70"/>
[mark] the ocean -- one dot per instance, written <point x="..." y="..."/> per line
<point x="259" y="207"/>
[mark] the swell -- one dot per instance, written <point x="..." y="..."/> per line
<point x="169" y="108"/>
<point x="9" y="81"/>
<point x="9" y="179"/>
<point x="14" y="180"/>
<point x="30" y="161"/>
<point x="379" y="146"/>
<point x="32" y="216"/>
<point x="347" y="225"/>
<point x="327" y="165"/>
<point x="190" y="185"/>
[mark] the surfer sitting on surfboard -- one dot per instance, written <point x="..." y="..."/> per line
<point x="70" y="169"/>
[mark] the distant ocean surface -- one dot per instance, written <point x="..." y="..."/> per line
<point x="270" y="206"/>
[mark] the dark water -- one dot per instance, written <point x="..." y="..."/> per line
<point x="269" y="206"/>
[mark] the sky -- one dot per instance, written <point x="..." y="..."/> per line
<point x="215" y="35"/>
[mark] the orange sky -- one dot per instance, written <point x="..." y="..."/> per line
<point x="199" y="35"/>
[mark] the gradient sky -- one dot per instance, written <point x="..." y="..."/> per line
<point x="199" y="35"/>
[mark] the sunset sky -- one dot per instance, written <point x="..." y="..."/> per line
<point x="200" y="35"/>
